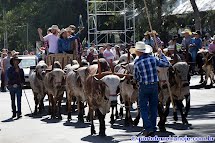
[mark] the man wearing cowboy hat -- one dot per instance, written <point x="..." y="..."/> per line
<point x="187" y="38"/>
<point x="148" y="39"/>
<point x="15" y="81"/>
<point x="145" y="72"/>
<point x="52" y="39"/>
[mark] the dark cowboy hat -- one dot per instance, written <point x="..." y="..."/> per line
<point x="15" y="58"/>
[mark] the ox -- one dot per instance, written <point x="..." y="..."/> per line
<point x="101" y="94"/>
<point x="208" y="68"/>
<point x="179" y="85"/>
<point x="36" y="82"/>
<point x="128" y="92"/>
<point x="54" y="84"/>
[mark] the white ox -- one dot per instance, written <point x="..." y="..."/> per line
<point x="36" y="82"/>
<point x="55" y="85"/>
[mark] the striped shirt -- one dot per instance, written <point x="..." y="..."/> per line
<point x="145" y="68"/>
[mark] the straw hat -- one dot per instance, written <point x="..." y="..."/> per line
<point x="14" y="53"/>
<point x="141" y="47"/>
<point x="71" y="28"/>
<point x="146" y="33"/>
<point x="15" y="58"/>
<point x="62" y="31"/>
<point x="55" y="27"/>
<point x="187" y="31"/>
<point x="154" y="32"/>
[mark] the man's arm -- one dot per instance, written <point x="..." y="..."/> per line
<point x="163" y="61"/>
<point x="40" y="34"/>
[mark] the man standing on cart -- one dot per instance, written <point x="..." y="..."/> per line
<point x="52" y="39"/>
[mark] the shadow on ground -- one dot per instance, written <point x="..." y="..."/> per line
<point x="98" y="139"/>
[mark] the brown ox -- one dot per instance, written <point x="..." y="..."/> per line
<point x="101" y="94"/>
<point x="208" y="68"/>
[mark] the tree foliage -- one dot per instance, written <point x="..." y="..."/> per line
<point x="37" y="13"/>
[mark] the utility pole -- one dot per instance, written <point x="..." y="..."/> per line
<point x="5" y="30"/>
<point x="27" y="37"/>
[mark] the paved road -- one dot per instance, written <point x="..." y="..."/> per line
<point x="42" y="129"/>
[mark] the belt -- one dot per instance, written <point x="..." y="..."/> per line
<point x="150" y="83"/>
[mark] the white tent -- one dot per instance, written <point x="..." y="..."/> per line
<point x="185" y="7"/>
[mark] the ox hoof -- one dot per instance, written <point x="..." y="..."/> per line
<point x="185" y="122"/>
<point x="162" y="128"/>
<point x="93" y="132"/>
<point x="80" y="120"/>
<point x="102" y="134"/>
<point x="136" y="122"/>
<point x="112" y="121"/>
<point x="175" y="117"/>
<point x="60" y="117"/>
<point x="117" y="116"/>
<point x="53" y="117"/>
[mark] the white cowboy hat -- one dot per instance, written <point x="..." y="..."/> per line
<point x="55" y="27"/>
<point x="141" y="47"/>
<point x="187" y="31"/>
<point x="213" y="38"/>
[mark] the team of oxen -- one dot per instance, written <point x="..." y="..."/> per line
<point x="102" y="91"/>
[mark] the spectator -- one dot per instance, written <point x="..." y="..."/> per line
<point x="148" y="39"/>
<point x="158" y="40"/>
<point x="90" y="56"/>
<point x="3" y="82"/>
<point x="52" y="39"/>
<point x="101" y="51"/>
<point x="196" y="44"/>
<point x="93" y="46"/>
<point x="109" y="56"/>
<point x="211" y="48"/>
<point x="6" y="65"/>
<point x="15" y="81"/>
<point x="187" y="38"/>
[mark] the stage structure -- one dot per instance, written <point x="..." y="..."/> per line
<point x="122" y="31"/>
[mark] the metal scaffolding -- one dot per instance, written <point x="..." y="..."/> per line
<point x="124" y="10"/>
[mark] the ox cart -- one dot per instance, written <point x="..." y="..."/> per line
<point x="64" y="59"/>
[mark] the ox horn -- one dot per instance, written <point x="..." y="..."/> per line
<point x="122" y="79"/>
<point x="97" y="80"/>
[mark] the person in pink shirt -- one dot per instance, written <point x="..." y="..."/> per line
<point x="211" y="48"/>
<point x="109" y="56"/>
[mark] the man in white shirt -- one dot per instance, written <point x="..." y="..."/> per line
<point x="109" y="56"/>
<point x="95" y="53"/>
<point x="52" y="39"/>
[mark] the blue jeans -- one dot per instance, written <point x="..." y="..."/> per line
<point x="148" y="102"/>
<point x="16" y="92"/>
<point x="193" y="55"/>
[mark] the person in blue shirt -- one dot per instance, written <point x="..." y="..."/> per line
<point x="15" y="82"/>
<point x="145" y="72"/>
<point x="196" y="44"/>
<point x="148" y="39"/>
